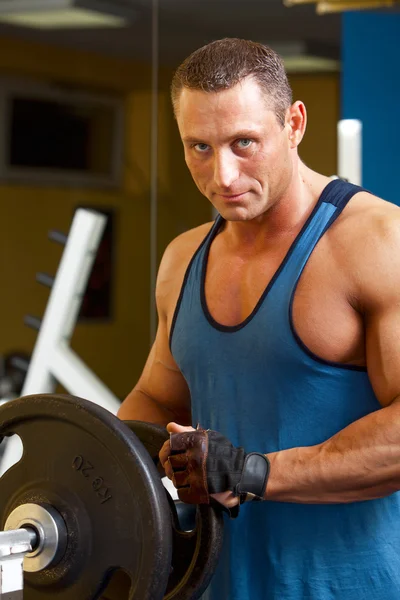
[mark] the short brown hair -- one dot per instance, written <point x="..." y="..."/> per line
<point x="222" y="64"/>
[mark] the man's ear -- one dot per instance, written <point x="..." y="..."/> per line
<point x="296" y="121"/>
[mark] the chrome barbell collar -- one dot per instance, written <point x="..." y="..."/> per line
<point x="50" y="530"/>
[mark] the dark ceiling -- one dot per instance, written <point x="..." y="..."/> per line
<point x="185" y="25"/>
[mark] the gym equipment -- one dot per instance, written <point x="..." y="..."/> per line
<point x="86" y="500"/>
<point x="13" y="368"/>
<point x="197" y="532"/>
<point x="52" y="359"/>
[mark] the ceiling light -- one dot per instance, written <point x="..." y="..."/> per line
<point x="330" y="6"/>
<point x="51" y="14"/>
<point x="310" y="64"/>
<point x="308" y="57"/>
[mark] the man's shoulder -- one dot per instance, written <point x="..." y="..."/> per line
<point x="367" y="242"/>
<point x="368" y="217"/>
<point x="176" y="259"/>
<point x="186" y="244"/>
<point x="181" y="249"/>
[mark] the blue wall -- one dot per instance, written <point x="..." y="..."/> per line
<point x="371" y="92"/>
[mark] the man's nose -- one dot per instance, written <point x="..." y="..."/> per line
<point x="225" y="170"/>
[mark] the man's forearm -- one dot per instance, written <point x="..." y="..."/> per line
<point x="361" y="462"/>
<point x="139" y="406"/>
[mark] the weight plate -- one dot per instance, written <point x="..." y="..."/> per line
<point x="195" y="553"/>
<point x="87" y="464"/>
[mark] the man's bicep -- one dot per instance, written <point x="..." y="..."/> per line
<point x="161" y="376"/>
<point x="376" y="269"/>
<point x="161" y="382"/>
<point x="383" y="351"/>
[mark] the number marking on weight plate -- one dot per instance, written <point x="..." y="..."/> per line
<point x="85" y="467"/>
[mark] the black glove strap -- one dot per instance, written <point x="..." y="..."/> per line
<point x="254" y="478"/>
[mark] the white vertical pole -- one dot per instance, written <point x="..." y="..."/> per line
<point x="350" y="150"/>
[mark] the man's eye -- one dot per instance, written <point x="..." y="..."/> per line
<point x="244" y="143"/>
<point x="201" y="147"/>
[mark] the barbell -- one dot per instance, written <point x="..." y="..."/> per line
<point x="89" y="497"/>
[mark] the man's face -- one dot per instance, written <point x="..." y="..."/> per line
<point x="238" y="153"/>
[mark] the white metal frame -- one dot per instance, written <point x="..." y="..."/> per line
<point x="52" y="359"/>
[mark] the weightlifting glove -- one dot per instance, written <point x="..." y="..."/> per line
<point x="205" y="462"/>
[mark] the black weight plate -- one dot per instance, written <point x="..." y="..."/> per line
<point x="151" y="435"/>
<point x="87" y="463"/>
<point x="194" y="553"/>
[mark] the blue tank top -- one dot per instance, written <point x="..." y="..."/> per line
<point x="260" y="386"/>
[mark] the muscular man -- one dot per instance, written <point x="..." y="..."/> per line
<point x="279" y="329"/>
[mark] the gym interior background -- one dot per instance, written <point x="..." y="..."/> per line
<point x="342" y="65"/>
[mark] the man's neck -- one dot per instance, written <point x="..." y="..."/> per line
<point x="284" y="218"/>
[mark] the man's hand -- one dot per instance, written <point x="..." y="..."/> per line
<point x="203" y="464"/>
<point x="227" y="499"/>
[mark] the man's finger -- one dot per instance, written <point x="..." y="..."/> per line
<point x="175" y="428"/>
<point x="226" y="498"/>
<point x="178" y="461"/>
<point x="164" y="453"/>
<point x="180" y="479"/>
<point x="168" y="470"/>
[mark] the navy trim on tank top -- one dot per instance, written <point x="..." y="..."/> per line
<point x="215" y="226"/>
<point x="340" y="202"/>
<point x="324" y="198"/>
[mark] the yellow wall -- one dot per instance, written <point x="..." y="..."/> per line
<point x="117" y="350"/>
<point x="114" y="350"/>
<point x="320" y="93"/>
